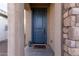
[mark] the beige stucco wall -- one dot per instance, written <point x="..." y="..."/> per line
<point x="27" y="25"/>
<point x="51" y="13"/>
<point x="54" y="28"/>
<point x="15" y="29"/>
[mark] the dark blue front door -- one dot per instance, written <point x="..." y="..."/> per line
<point x="39" y="26"/>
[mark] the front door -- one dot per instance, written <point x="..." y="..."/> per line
<point x="39" y="26"/>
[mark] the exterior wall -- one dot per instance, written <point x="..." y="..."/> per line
<point x="15" y="29"/>
<point x="54" y="28"/>
<point x="3" y="35"/>
<point x="71" y="29"/>
<point x="51" y="15"/>
<point x="3" y="32"/>
<point x="28" y="25"/>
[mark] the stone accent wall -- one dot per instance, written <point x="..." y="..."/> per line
<point x="71" y="29"/>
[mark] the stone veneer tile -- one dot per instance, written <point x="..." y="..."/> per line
<point x="65" y="14"/>
<point x="73" y="33"/>
<point x="70" y="21"/>
<point x="67" y="42"/>
<point x="73" y="51"/>
<point x="70" y="12"/>
<point x="70" y="43"/>
<point x="66" y="6"/>
<point x="77" y="21"/>
<point x="77" y="4"/>
<point x="66" y="54"/>
<point x="65" y="36"/>
<point x="65" y="29"/>
<point x="73" y="19"/>
<point x="70" y="33"/>
<point x="74" y="11"/>
<point x="65" y="48"/>
<point x="77" y="18"/>
<point x="77" y="24"/>
<point x="76" y="33"/>
<point x="72" y="4"/>
<point x="67" y="21"/>
<point x="77" y="44"/>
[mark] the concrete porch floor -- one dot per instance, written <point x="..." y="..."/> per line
<point x="29" y="51"/>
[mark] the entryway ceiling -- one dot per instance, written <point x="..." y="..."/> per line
<point x="39" y="5"/>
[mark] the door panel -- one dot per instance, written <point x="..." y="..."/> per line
<point x="39" y="26"/>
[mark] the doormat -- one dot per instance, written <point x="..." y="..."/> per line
<point x="39" y="46"/>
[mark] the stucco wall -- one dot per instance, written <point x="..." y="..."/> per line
<point x="27" y="19"/>
<point x="51" y="14"/>
<point x="54" y="28"/>
<point x="15" y="29"/>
